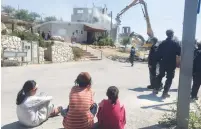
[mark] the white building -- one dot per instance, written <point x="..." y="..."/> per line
<point x="83" y="32"/>
<point x="82" y="15"/>
<point x="85" y="22"/>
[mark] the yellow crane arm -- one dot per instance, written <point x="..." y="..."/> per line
<point x="146" y="15"/>
<point x="145" y="12"/>
<point x="125" y="9"/>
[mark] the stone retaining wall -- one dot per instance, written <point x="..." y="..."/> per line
<point x="59" y="52"/>
<point x="41" y="55"/>
<point x="13" y="43"/>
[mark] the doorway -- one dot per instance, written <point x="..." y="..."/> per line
<point x="90" y="37"/>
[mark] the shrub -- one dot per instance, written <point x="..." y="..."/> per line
<point x="169" y="120"/>
<point x="101" y="42"/>
<point x="105" y="41"/>
<point x="125" y="41"/>
<point x="109" y="41"/>
<point x="25" y="36"/>
<point x="33" y="37"/>
<point x="77" y="52"/>
<point x="45" y="44"/>
<point x="7" y="63"/>
<point x="3" y="32"/>
<point x="41" y="43"/>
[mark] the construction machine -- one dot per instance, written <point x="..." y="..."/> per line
<point x="142" y="46"/>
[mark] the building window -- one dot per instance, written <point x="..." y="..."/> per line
<point x="76" y="31"/>
<point x="80" y="11"/>
<point x="81" y="32"/>
<point x="80" y="20"/>
<point x="95" y="19"/>
<point x="27" y="47"/>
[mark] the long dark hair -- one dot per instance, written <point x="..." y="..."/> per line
<point x="24" y="92"/>
<point x="112" y="93"/>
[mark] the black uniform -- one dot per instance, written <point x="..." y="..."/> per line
<point x="132" y="56"/>
<point x="166" y="54"/>
<point x="49" y="35"/>
<point x="152" y="62"/>
<point x="43" y="35"/>
<point x="196" y="73"/>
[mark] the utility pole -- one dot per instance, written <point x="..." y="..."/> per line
<point x="111" y="25"/>
<point x="188" y="42"/>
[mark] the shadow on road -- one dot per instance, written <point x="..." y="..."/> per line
<point x="95" y="126"/>
<point x="140" y="89"/>
<point x="165" y="104"/>
<point x="173" y="90"/>
<point x="151" y="97"/>
<point x="159" y="106"/>
<point x="143" y="89"/>
<point x="127" y="66"/>
<point x="14" y="125"/>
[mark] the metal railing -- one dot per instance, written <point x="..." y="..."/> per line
<point x="101" y="52"/>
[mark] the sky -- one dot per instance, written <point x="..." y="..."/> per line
<point x="164" y="14"/>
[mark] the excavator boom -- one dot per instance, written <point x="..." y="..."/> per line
<point x="145" y="12"/>
<point x="135" y="2"/>
<point x="146" y="15"/>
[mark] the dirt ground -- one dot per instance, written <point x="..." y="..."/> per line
<point x="112" y="51"/>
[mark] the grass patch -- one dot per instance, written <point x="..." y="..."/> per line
<point x="169" y="119"/>
<point x="77" y="52"/>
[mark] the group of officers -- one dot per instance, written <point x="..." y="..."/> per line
<point x="165" y="56"/>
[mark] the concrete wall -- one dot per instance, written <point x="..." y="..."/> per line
<point x="46" y="28"/>
<point x="13" y="43"/>
<point x="65" y="30"/>
<point x="114" y="34"/>
<point x="32" y="51"/>
<point x="81" y="15"/>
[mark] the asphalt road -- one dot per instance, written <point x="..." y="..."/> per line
<point x="143" y="110"/>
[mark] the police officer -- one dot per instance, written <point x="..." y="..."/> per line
<point x="167" y="53"/>
<point x="152" y="63"/>
<point x="132" y="55"/>
<point x="196" y="72"/>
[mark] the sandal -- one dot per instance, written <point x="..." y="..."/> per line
<point x="56" y="111"/>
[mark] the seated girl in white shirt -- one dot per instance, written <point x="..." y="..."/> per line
<point x="32" y="110"/>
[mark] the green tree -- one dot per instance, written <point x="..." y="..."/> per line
<point x="8" y="9"/>
<point x="22" y="14"/>
<point x="33" y="16"/>
<point x="125" y="41"/>
<point x="50" y="18"/>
